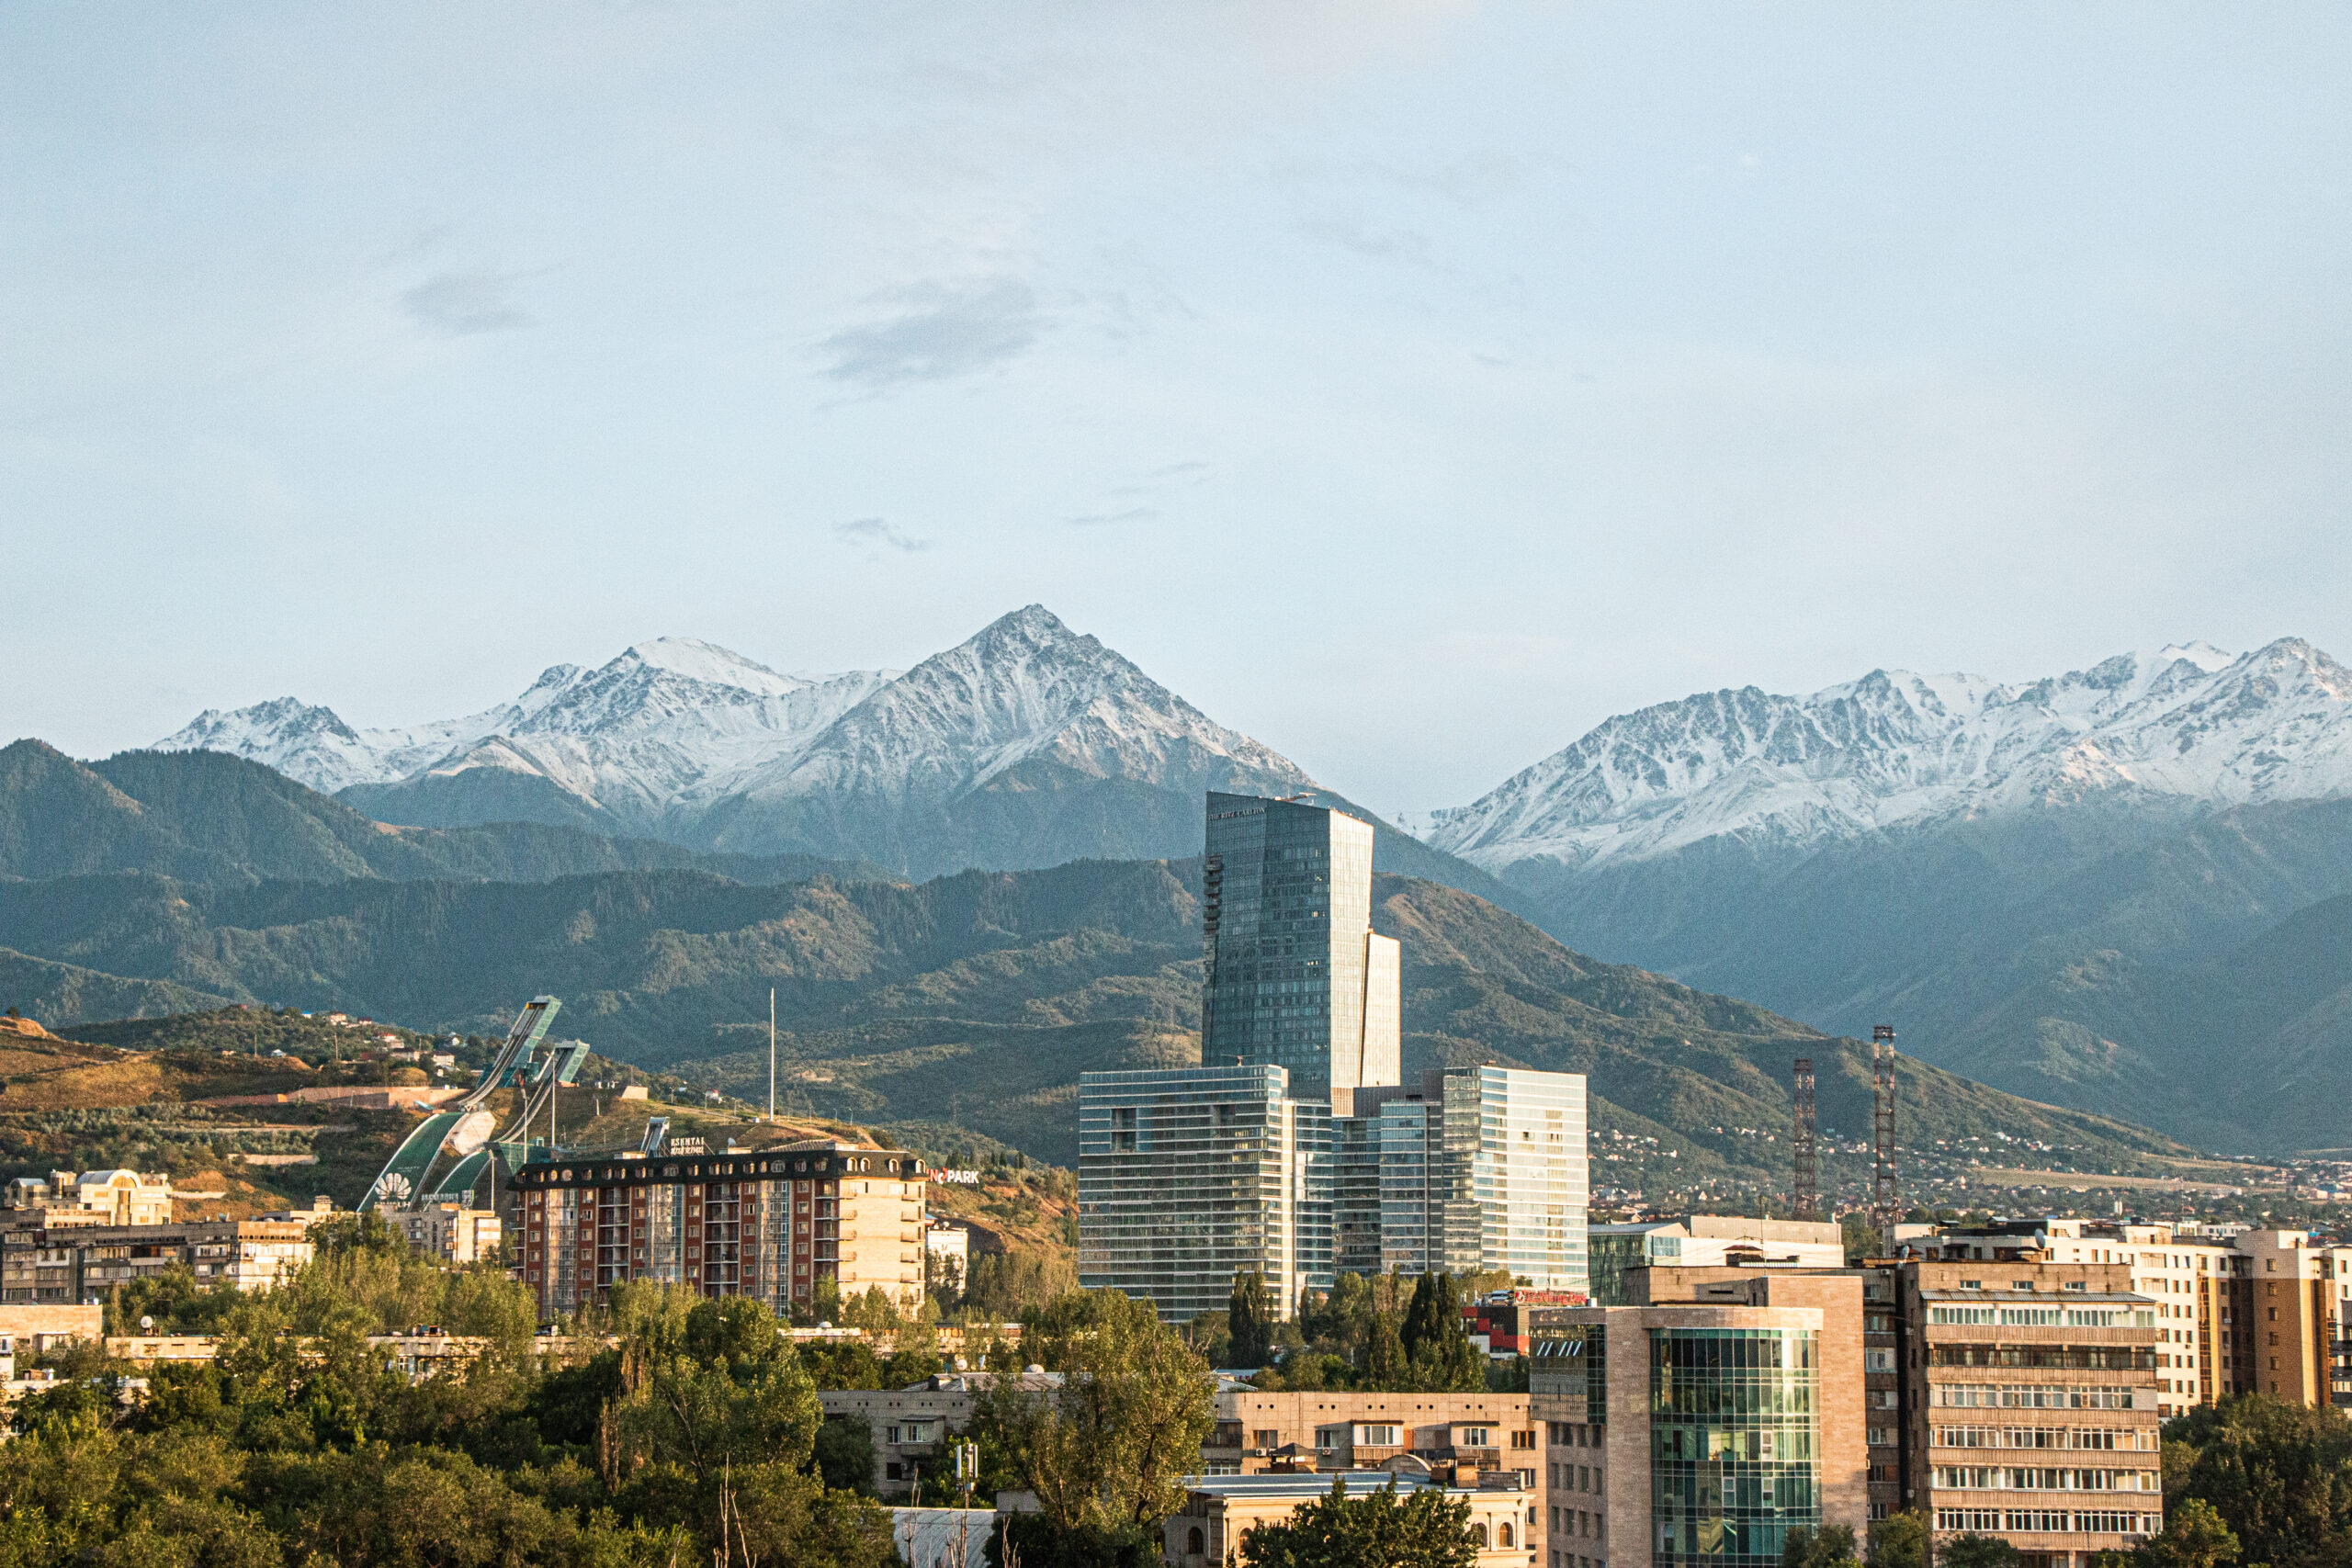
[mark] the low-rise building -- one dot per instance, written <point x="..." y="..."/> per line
<point x="1219" y="1510"/>
<point x="912" y="1426"/>
<point x="78" y="1263"/>
<point x="1451" y="1436"/>
<point x="450" y="1232"/>
<point x="94" y="1197"/>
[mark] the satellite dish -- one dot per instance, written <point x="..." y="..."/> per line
<point x="146" y="1323"/>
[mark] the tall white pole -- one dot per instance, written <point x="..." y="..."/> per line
<point x="771" y="1053"/>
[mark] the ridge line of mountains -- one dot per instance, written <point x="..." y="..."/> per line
<point x="2089" y="890"/>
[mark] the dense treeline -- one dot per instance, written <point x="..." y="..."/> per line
<point x="298" y="1444"/>
<point x="699" y="1434"/>
<point x="1388" y="1333"/>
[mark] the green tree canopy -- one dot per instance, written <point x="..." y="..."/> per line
<point x="1379" y="1530"/>
<point x="1109" y="1446"/>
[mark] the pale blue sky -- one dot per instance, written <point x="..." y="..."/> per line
<point x="1410" y="386"/>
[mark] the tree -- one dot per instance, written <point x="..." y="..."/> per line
<point x="2277" y="1477"/>
<point x="1973" y="1550"/>
<point x="844" y="1452"/>
<point x="1832" y="1546"/>
<point x="1899" y="1541"/>
<point x="1384" y="1528"/>
<point x="1248" y="1318"/>
<point x="1110" y="1446"/>
<point x="1438" y="1353"/>
<point x="2194" y="1537"/>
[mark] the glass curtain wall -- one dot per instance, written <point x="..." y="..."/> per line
<point x="1735" y="1444"/>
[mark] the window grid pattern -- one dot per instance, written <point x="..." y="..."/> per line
<point x="1735" y="1444"/>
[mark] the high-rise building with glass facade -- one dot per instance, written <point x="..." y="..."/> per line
<point x="1470" y="1170"/>
<point x="1188" y="1177"/>
<point x="1510" y="1175"/>
<point x="1296" y="977"/>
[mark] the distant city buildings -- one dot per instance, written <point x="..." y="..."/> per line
<point x="75" y="1262"/>
<point x="93" y="1198"/>
<point x="1294" y="1151"/>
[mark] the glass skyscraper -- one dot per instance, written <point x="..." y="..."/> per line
<point x="1296" y="977"/>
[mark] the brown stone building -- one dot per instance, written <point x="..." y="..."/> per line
<point x="1455" y="1436"/>
<point x="2030" y="1403"/>
<point x="1705" y="1423"/>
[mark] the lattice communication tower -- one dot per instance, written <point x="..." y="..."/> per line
<point x="1805" y="1192"/>
<point x="1883" y="1212"/>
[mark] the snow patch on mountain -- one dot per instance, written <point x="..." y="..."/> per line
<point x="2189" y="723"/>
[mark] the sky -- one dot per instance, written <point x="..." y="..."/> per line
<point x="1411" y="385"/>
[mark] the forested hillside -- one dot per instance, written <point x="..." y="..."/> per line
<point x="976" y="1000"/>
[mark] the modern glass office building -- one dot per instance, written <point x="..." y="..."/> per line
<point x="1509" y="1177"/>
<point x="1188" y="1177"/>
<point x="1734" y="1443"/>
<point x="1296" y="975"/>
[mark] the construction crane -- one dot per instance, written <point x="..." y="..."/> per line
<point x="463" y="1131"/>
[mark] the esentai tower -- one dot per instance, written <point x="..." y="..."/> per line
<point x="1296" y="975"/>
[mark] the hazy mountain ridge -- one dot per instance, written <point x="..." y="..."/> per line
<point x="976" y="998"/>
<point x="207" y="817"/>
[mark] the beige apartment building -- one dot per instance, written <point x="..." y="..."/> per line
<point x="2227" y="1321"/>
<point x="81" y="1262"/>
<point x="1219" y="1510"/>
<point x="2032" y="1404"/>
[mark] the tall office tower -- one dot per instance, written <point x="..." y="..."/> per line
<point x="1190" y="1176"/>
<point x="1508" y="1175"/>
<point x="1296" y="976"/>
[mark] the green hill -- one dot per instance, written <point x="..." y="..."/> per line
<point x="202" y="816"/>
<point x="975" y="1000"/>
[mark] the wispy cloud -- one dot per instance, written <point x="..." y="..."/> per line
<point x="461" y="304"/>
<point x="875" y="533"/>
<point x="1110" y="519"/>
<point x="1380" y="244"/>
<point x="936" y="333"/>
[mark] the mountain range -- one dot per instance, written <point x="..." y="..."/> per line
<point x="2089" y="889"/>
<point x="971" y="1003"/>
<point x="2095" y="889"/>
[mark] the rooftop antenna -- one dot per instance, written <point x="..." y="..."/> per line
<point x="1805" y="1191"/>
<point x="1883" y="1201"/>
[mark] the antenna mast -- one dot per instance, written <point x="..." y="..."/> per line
<point x="771" y="1053"/>
<point x="1805" y="1192"/>
<point x="1883" y="1213"/>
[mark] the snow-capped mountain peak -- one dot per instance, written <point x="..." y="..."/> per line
<point x="2190" y="723"/>
<point x="681" y="738"/>
<point x="708" y="663"/>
